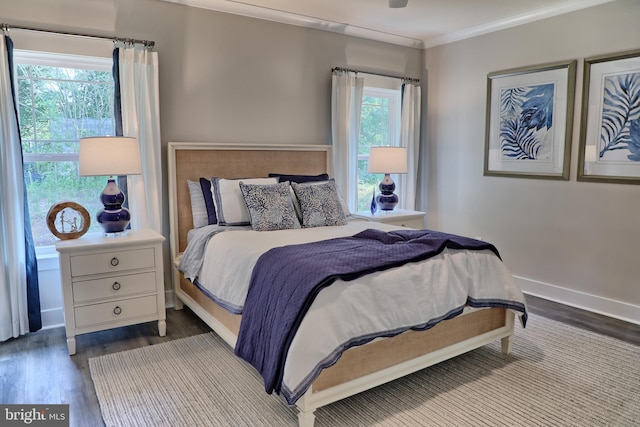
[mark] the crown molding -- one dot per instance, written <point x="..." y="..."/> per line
<point x="513" y="21"/>
<point x="269" y="14"/>
<point x="274" y="15"/>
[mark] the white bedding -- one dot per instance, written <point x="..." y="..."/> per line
<point x="391" y="301"/>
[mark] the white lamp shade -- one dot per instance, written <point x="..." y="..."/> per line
<point x="388" y="160"/>
<point x="109" y="156"/>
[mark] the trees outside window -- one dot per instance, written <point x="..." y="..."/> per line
<point x="61" y="98"/>
<point x="379" y="125"/>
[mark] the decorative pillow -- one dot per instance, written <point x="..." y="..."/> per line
<point x="296" y="204"/>
<point x="345" y="207"/>
<point x="208" y="200"/>
<point x="228" y="200"/>
<point x="319" y="204"/>
<point x="300" y="178"/>
<point x="270" y="206"/>
<point x="198" y="207"/>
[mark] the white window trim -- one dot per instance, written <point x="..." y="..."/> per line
<point x="62" y="60"/>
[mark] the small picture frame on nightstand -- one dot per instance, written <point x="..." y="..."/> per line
<point x="68" y="220"/>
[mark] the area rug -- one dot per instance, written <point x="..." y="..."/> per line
<point x="557" y="375"/>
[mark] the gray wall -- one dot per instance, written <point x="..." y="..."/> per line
<point x="570" y="241"/>
<point x="225" y="78"/>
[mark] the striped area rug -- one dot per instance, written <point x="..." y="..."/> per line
<point x="557" y="375"/>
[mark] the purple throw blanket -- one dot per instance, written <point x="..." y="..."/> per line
<point x="286" y="280"/>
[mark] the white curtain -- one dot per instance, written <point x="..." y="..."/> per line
<point x="138" y="74"/>
<point x="14" y="320"/>
<point x="410" y="138"/>
<point x="346" y="106"/>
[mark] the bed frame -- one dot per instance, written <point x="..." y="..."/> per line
<point x="359" y="368"/>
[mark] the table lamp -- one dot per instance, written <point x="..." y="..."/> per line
<point x="387" y="160"/>
<point x="111" y="156"/>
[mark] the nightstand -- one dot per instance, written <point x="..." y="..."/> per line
<point x="400" y="217"/>
<point x="108" y="282"/>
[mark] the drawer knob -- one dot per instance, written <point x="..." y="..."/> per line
<point x="117" y="310"/>
<point x="116" y="286"/>
<point x="114" y="261"/>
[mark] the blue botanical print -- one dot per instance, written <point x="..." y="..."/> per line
<point x="620" y="126"/>
<point x="537" y="110"/>
<point x="634" y="141"/>
<point x="526" y="117"/>
<point x="518" y="141"/>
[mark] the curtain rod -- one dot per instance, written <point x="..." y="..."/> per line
<point x="409" y="79"/>
<point x="147" y="43"/>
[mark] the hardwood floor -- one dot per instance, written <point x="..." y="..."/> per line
<point x="36" y="368"/>
<point x="594" y="322"/>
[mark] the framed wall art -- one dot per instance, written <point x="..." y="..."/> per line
<point x="529" y="121"/>
<point x="610" y="121"/>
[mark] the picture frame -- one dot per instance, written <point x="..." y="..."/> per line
<point x="529" y="121"/>
<point x="74" y="226"/>
<point x="609" y="149"/>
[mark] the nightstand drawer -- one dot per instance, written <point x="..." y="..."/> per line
<point x="397" y="217"/>
<point x="109" y="262"/>
<point x="409" y="223"/>
<point x="115" y="286"/>
<point x="115" y="311"/>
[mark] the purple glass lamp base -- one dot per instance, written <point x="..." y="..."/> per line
<point x="387" y="200"/>
<point x="113" y="218"/>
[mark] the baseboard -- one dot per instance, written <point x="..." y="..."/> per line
<point x="52" y="318"/>
<point x="605" y="306"/>
<point x="169" y="301"/>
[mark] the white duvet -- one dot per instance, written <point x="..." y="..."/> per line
<point x="346" y="312"/>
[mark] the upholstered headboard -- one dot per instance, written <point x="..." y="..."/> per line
<point x="192" y="160"/>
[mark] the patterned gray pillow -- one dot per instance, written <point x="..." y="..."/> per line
<point x="270" y="206"/>
<point x="320" y="204"/>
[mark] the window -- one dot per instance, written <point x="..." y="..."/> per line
<point x="379" y="125"/>
<point x="61" y="98"/>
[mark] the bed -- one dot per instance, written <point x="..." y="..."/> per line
<point x="358" y="367"/>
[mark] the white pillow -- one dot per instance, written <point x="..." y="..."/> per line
<point x="198" y="207"/>
<point x="229" y="202"/>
